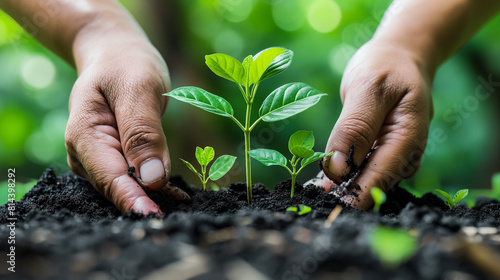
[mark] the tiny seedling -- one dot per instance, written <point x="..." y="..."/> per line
<point x="392" y="246"/>
<point x="284" y="102"/>
<point x="300" y="146"/>
<point x="452" y="202"/>
<point x="379" y="198"/>
<point x="218" y="169"/>
<point x="302" y="210"/>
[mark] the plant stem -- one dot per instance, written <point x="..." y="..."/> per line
<point x="293" y="162"/>
<point x="248" y="166"/>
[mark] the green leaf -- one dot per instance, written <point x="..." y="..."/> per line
<point x="226" y="67"/>
<point x="301" y="152"/>
<point x="207" y="155"/>
<point x="268" y="157"/>
<point x="316" y="156"/>
<point x="292" y="209"/>
<point x="449" y="200"/>
<point x="304" y="209"/>
<point x="203" y="100"/>
<point x="221" y="166"/>
<point x="288" y="100"/>
<point x="190" y="166"/>
<point x="247" y="63"/>
<point x="301" y="138"/>
<point x="461" y="194"/>
<point x="270" y="62"/>
<point x="199" y="156"/>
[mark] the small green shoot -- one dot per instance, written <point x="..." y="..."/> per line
<point x="302" y="210"/>
<point x="392" y="246"/>
<point x="452" y="202"/>
<point x="300" y="146"/>
<point x="284" y="102"/>
<point x="218" y="169"/>
<point x="495" y="180"/>
<point x="379" y="198"/>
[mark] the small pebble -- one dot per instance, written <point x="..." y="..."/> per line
<point x="138" y="233"/>
<point x="487" y="230"/>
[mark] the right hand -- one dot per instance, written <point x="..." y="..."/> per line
<point x="387" y="105"/>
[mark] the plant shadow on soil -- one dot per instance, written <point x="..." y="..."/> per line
<point x="66" y="230"/>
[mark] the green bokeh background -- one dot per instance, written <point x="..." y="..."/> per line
<point x="35" y="87"/>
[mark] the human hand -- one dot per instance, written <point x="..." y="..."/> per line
<point x="116" y="107"/>
<point x="387" y="106"/>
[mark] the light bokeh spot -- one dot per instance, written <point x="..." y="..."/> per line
<point x="324" y="15"/>
<point x="38" y="72"/>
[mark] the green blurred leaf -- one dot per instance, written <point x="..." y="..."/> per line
<point x="288" y="100"/>
<point x="304" y="209"/>
<point x="392" y="246"/>
<point x="292" y="209"/>
<point x="226" y="67"/>
<point x="449" y="199"/>
<point x="268" y="157"/>
<point x="221" y="166"/>
<point x="379" y="197"/>
<point x="247" y="63"/>
<point x="459" y="195"/>
<point x="203" y="99"/>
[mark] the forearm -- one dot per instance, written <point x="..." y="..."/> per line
<point x="76" y="30"/>
<point x="433" y="30"/>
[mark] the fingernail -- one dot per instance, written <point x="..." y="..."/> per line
<point x="337" y="164"/>
<point x="145" y="206"/>
<point x="152" y="171"/>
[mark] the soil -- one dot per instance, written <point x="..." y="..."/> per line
<point x="66" y="230"/>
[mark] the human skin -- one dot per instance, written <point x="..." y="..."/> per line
<point x="386" y="91"/>
<point x="116" y="104"/>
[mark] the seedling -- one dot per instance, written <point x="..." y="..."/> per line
<point x="392" y="246"/>
<point x="379" y="197"/>
<point x="303" y="209"/>
<point x="218" y="169"/>
<point x="453" y="202"/>
<point x="300" y="146"/>
<point x="282" y="103"/>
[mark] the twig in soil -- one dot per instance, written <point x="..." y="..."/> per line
<point x="333" y="215"/>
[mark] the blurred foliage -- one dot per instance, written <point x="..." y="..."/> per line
<point x="463" y="147"/>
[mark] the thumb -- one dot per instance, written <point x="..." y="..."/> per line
<point x="141" y="135"/>
<point x="355" y="132"/>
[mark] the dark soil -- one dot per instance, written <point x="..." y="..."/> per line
<point x="66" y="230"/>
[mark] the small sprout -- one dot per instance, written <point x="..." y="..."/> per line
<point x="300" y="146"/>
<point x="392" y="246"/>
<point x="302" y="210"/>
<point x="379" y="198"/>
<point x="495" y="180"/>
<point x="218" y="169"/>
<point x="284" y="102"/>
<point x="452" y="202"/>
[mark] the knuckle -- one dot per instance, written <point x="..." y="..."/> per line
<point x="139" y="138"/>
<point x="360" y="131"/>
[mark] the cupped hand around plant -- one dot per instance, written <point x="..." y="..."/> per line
<point x="387" y="106"/>
<point x="116" y="107"/>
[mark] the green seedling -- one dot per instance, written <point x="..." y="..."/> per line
<point x="452" y="202"/>
<point x="495" y="180"/>
<point x="284" y="102"/>
<point x="218" y="169"/>
<point x="379" y="198"/>
<point x="302" y="210"/>
<point x="300" y="146"/>
<point x="392" y="246"/>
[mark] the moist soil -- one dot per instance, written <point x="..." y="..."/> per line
<point x="66" y="230"/>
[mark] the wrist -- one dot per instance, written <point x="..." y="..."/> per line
<point x="423" y="53"/>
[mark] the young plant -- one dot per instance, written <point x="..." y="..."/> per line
<point x="302" y="210"/>
<point x="282" y="103"/>
<point x="452" y="202"/>
<point x="300" y="146"/>
<point x="379" y="198"/>
<point x="392" y="246"/>
<point x="218" y="169"/>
